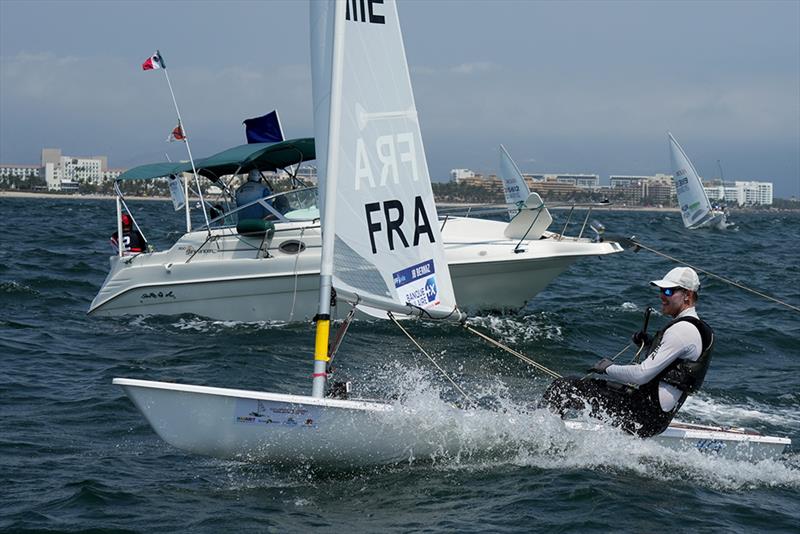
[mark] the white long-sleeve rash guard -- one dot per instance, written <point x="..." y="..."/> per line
<point x="681" y="340"/>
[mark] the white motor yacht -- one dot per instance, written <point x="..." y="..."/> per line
<point x="228" y="270"/>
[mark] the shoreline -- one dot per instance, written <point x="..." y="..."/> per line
<point x="603" y="207"/>
<point x="91" y="196"/>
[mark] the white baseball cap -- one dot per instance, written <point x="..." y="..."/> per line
<point x="684" y="277"/>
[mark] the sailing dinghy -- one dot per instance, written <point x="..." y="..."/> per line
<point x="381" y="250"/>
<point x="696" y="210"/>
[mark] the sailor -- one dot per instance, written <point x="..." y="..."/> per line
<point x="252" y="190"/>
<point x="643" y="398"/>
<point x="132" y="239"/>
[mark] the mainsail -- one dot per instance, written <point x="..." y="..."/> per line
<point x="381" y="240"/>
<point x="514" y="186"/>
<point x="692" y="198"/>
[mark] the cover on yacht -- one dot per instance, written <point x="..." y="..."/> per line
<point x="242" y="158"/>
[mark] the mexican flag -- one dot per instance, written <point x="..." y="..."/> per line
<point x="154" y="62"/>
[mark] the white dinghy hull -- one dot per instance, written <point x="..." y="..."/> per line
<point x="732" y="443"/>
<point x="294" y="429"/>
<point x="278" y="428"/>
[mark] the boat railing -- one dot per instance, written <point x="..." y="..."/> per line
<point x="492" y="212"/>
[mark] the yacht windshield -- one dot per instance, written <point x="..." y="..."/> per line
<point x="294" y="205"/>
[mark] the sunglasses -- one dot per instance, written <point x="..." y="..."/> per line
<point x="669" y="291"/>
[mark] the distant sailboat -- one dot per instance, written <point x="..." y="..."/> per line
<point x="514" y="187"/>
<point x="528" y="214"/>
<point x="696" y="210"/>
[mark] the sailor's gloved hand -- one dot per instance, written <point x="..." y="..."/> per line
<point x="641" y="337"/>
<point x="601" y="366"/>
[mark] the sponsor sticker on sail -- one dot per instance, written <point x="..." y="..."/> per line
<point x="417" y="284"/>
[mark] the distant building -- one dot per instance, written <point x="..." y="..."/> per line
<point x="459" y="175"/>
<point x="20" y="171"/>
<point x="308" y="174"/>
<point x="618" y="181"/>
<point x="467" y="177"/>
<point x="741" y="193"/>
<point x="67" y="172"/>
<point x="654" y="190"/>
<point x="581" y="181"/>
<point x="552" y="186"/>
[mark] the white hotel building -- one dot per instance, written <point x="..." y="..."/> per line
<point x="65" y="173"/>
<point x="741" y="193"/>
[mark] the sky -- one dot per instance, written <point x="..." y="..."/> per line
<point x="578" y="87"/>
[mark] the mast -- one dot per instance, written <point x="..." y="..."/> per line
<point x="323" y="318"/>
<point x="189" y="151"/>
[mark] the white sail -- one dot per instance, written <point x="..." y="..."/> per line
<point x="378" y="211"/>
<point x="692" y="198"/>
<point x="529" y="218"/>
<point x="514" y="186"/>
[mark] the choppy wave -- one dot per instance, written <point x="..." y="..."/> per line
<point x="513" y="434"/>
<point x="711" y="410"/>
<point x="201" y="325"/>
<point x="15" y="288"/>
<point x="78" y="455"/>
<point x="510" y="432"/>
<point x="519" y="329"/>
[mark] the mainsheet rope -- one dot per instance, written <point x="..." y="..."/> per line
<point x="512" y="351"/>
<point x="726" y="280"/>
<point x="439" y="367"/>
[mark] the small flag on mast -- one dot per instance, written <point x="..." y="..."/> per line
<point x="264" y="129"/>
<point x="177" y="134"/>
<point x="154" y="62"/>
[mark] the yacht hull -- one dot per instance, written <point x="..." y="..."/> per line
<point x="232" y="278"/>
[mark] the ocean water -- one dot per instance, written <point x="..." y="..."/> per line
<point x="75" y="455"/>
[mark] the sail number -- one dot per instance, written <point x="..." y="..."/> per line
<point x="364" y="11"/>
<point x="391" y="151"/>
<point x="393" y="215"/>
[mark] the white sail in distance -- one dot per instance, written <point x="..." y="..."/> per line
<point x="514" y="186"/>
<point x="378" y="214"/>
<point x="692" y="198"/>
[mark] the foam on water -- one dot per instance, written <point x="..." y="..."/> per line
<point x="199" y="324"/>
<point x="512" y="433"/>
<point x="14" y="287"/>
<point x="519" y="329"/>
<point x="706" y="408"/>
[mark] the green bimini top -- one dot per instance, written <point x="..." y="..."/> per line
<point x="239" y="159"/>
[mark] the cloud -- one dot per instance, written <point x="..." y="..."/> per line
<point x="473" y="68"/>
<point x="108" y="105"/>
